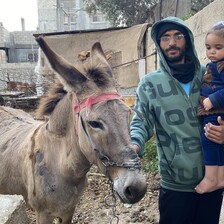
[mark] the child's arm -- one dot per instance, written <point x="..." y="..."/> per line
<point x="216" y="99"/>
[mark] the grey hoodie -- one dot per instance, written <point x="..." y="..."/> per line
<point x="171" y="115"/>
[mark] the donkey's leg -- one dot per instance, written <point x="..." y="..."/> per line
<point x="67" y="218"/>
<point x="43" y="218"/>
<point x="68" y="221"/>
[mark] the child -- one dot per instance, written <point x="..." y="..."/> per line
<point x="211" y="105"/>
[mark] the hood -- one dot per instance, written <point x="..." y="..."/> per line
<point x="190" y="50"/>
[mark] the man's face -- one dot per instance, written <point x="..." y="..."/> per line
<point x="173" y="46"/>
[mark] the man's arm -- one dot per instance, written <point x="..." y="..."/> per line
<point x="215" y="132"/>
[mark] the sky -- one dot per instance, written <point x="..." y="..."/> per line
<point x="11" y="12"/>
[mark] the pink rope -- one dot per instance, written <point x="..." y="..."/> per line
<point x="96" y="99"/>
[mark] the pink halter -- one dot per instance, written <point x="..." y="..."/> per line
<point x="96" y="99"/>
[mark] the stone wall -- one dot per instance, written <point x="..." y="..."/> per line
<point x="3" y="57"/>
<point x="17" y="72"/>
<point x="23" y="37"/>
<point x="201" y="22"/>
<point x="4" y="36"/>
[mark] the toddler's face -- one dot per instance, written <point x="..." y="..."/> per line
<point x="214" y="47"/>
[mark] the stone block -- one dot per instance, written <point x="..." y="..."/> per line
<point x="12" y="210"/>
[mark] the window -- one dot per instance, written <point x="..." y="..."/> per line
<point x="32" y="57"/>
<point x="72" y="19"/>
<point x="98" y="18"/>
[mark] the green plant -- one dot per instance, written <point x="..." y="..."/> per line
<point x="149" y="160"/>
<point x="188" y="15"/>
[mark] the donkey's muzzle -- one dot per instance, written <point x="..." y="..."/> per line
<point x="131" y="187"/>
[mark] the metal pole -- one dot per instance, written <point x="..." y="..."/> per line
<point x="160" y="10"/>
<point x="176" y="8"/>
<point x="58" y="15"/>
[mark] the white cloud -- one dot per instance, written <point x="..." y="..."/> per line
<point x="11" y="12"/>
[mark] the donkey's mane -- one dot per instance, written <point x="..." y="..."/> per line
<point x="56" y="91"/>
<point x="99" y="76"/>
<point x="50" y="99"/>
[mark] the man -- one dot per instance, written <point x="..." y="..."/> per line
<point x="167" y="99"/>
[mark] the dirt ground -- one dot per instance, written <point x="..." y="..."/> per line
<point x="92" y="208"/>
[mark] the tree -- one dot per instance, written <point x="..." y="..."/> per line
<point x="131" y="12"/>
<point x="121" y="12"/>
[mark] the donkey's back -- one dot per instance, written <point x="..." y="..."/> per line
<point x="16" y="130"/>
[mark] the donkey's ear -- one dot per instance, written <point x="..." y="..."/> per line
<point x="67" y="73"/>
<point x="98" y="58"/>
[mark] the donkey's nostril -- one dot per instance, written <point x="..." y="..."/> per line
<point x="128" y="192"/>
<point x="133" y="194"/>
<point x="131" y="189"/>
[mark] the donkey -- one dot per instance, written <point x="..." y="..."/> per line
<point x="87" y="123"/>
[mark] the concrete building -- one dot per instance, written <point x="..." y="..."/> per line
<point x="23" y="47"/>
<point x="65" y="15"/>
<point x="53" y="16"/>
<point x="4" y="43"/>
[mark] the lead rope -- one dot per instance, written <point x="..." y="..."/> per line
<point x="110" y="201"/>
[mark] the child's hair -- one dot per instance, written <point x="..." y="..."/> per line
<point x="217" y="29"/>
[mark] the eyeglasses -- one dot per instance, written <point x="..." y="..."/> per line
<point x="176" y="37"/>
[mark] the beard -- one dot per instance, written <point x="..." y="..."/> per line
<point x="174" y="58"/>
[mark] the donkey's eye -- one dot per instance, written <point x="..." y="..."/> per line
<point x="95" y="124"/>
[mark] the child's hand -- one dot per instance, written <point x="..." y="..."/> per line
<point x="207" y="104"/>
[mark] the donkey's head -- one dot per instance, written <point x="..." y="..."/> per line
<point x="101" y="120"/>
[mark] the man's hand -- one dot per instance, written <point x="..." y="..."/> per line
<point x="215" y="132"/>
<point x="136" y="148"/>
